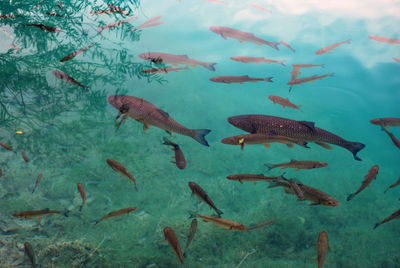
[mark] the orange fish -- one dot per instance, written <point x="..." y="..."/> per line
<point x="385" y="40"/>
<point x="372" y="173"/>
<point x="287" y="45"/>
<point x="386" y="122"/>
<point x="116" y="213"/>
<point x="118" y="167"/>
<point x="393" y="185"/>
<point x="283" y="102"/>
<point x="82" y="191"/>
<point x="307" y="79"/>
<point x="395" y="215"/>
<point x="173" y="241"/>
<point x="331" y="47"/>
<point x="5" y="146"/>
<point x="39" y="177"/>
<point x="322" y="247"/>
<point x="115" y="24"/>
<point x="397" y="59"/>
<point x="224" y="223"/>
<point x="35" y="213"/>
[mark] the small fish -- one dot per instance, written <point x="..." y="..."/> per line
<point x="7" y="16"/>
<point x="59" y="4"/>
<point x="261" y="138"/>
<point x="331" y="47"/>
<point x="197" y="190"/>
<point x="1" y="172"/>
<point x="30" y="253"/>
<point x="250" y="177"/>
<point x="307" y="79"/>
<point x="224" y="223"/>
<point x="386" y="122"/>
<point x="72" y="55"/>
<point x="239" y="79"/>
<point x="261" y="225"/>
<point x="179" y="157"/>
<point x="395" y="215"/>
<point x="192" y="231"/>
<point x="385" y="40"/>
<point x="39" y="177"/>
<point x="297" y="165"/>
<point x="395" y="141"/>
<point x="287" y="45"/>
<point x="63" y="76"/>
<point x="283" y="102"/>
<point x="116" y="213"/>
<point x="173" y="241"/>
<point x="393" y="185"/>
<point x="82" y="192"/>
<point x="113" y="9"/>
<point x="7" y="147"/>
<point x="118" y="167"/>
<point x="55" y="14"/>
<point x="26" y="159"/>
<point x="35" y="213"/>
<point x="396" y="59"/>
<point x="256" y="60"/>
<point x="114" y="24"/>
<point x="46" y="28"/>
<point x="162" y="70"/>
<point x="226" y="32"/>
<point x="260" y="8"/>
<point x="322" y="247"/>
<point x="295" y="187"/>
<point x="150" y="23"/>
<point x="372" y="173"/>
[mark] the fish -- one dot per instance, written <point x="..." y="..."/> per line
<point x="261" y="225"/>
<point x="26" y="159"/>
<point x="295" y="187"/>
<point x="1" y="172"/>
<point x="395" y="141"/>
<point x="322" y="247"/>
<point x="250" y="177"/>
<point x="116" y="213"/>
<point x="149" y="23"/>
<point x="7" y="16"/>
<point x="396" y="59"/>
<point x="148" y="114"/>
<point x="73" y="54"/>
<point x="307" y="79"/>
<point x="257" y="60"/>
<point x="385" y="40"/>
<point x="239" y="79"/>
<point x="297" y="165"/>
<point x="296" y="69"/>
<point x="386" y="122"/>
<point x="260" y="8"/>
<point x="39" y="177"/>
<point x="173" y="241"/>
<point x="395" y="215"/>
<point x="30" y="253"/>
<point x="226" y="32"/>
<point x="287" y="45"/>
<point x="261" y="138"/>
<point x="28" y="214"/>
<point x="299" y="130"/>
<point x="59" y="4"/>
<point x="7" y="147"/>
<point x="82" y="192"/>
<point x="197" y="190"/>
<point x="63" y="76"/>
<point x="224" y="223"/>
<point x="54" y="14"/>
<point x="114" y="24"/>
<point x="162" y="70"/>
<point x="192" y="231"/>
<point x="113" y="9"/>
<point x="179" y="157"/>
<point x="315" y="196"/>
<point x="393" y="185"/>
<point x="331" y="47"/>
<point x="118" y="167"/>
<point x="46" y="28"/>
<point x="284" y="102"/>
<point x="372" y="173"/>
<point x="175" y="60"/>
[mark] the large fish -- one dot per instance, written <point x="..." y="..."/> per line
<point x="238" y="79"/>
<point x="299" y="130"/>
<point x="148" y="114"/>
<point x="226" y="32"/>
<point x="159" y="57"/>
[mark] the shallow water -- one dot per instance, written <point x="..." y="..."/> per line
<point x="68" y="133"/>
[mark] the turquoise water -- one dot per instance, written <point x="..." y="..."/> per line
<point x="68" y="133"/>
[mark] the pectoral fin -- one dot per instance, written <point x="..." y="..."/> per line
<point x="267" y="145"/>
<point x="145" y="126"/>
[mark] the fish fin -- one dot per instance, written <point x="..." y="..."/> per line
<point x="240" y="181"/>
<point x="286" y="191"/>
<point x="223" y="36"/>
<point x="351" y="196"/>
<point x="219" y="212"/>
<point x="165" y="114"/>
<point x="269" y="166"/>
<point x="283" y="106"/>
<point x="39" y="219"/>
<point x="310" y="125"/>
<point x="324" y="145"/>
<point x="242" y="146"/>
<point x="241" y="41"/>
<point x="290" y="145"/>
<point x="313" y="204"/>
<point x="267" y="145"/>
<point x="275" y="45"/>
<point x="376" y="225"/>
<point x="355" y="147"/>
<point x="199" y="136"/>
<point x="269" y="79"/>
<point x="368" y="185"/>
<point x="255" y="183"/>
<point x="166" y="141"/>
<point x="215" y="226"/>
<point x="316" y="259"/>
<point x="210" y="66"/>
<point x="296" y="170"/>
<point x="145" y="126"/>
<point x="386" y="190"/>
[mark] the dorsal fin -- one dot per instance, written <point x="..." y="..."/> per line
<point x="310" y="125"/>
<point x="293" y="160"/>
<point x="165" y="114"/>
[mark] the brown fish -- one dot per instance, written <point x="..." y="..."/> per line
<point x="162" y="70"/>
<point x="179" y="157"/>
<point x="393" y="185"/>
<point x="299" y="130"/>
<point x="260" y="225"/>
<point x="372" y="173"/>
<point x="287" y="45"/>
<point x="322" y="247"/>
<point x="296" y="69"/>
<point x="394" y="216"/>
<point x="295" y="187"/>
<point x="331" y="47"/>
<point x="283" y="102"/>
<point x="82" y="192"/>
<point x="173" y="241"/>
<point x="148" y="114"/>
<point x="297" y="165"/>
<point x="118" y="167"/>
<point x="26" y="159"/>
<point x="72" y="55"/>
<point x="307" y="79"/>
<point x="63" y="76"/>
<point x="45" y="28"/>
<point x="316" y="196"/>
<point x="39" y="177"/>
<point x="116" y="213"/>
<point x="197" y="190"/>
<point x="115" y="24"/>
<point x="149" y="23"/>
<point x="386" y="122"/>
<point x="395" y="141"/>
<point x="260" y="138"/>
<point x="35" y="213"/>
<point x="1" y="172"/>
<point x="239" y="79"/>
<point x="250" y="177"/>
<point x="30" y="253"/>
<point x="385" y="40"/>
<point x="192" y="231"/>
<point x="7" y="147"/>
<point x="224" y="223"/>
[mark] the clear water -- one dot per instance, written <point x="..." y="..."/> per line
<point x="68" y="134"/>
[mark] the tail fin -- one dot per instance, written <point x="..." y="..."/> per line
<point x="269" y="166"/>
<point x="355" y="147"/>
<point x="80" y="208"/>
<point x="168" y="142"/>
<point x="282" y="62"/>
<point x="386" y="190"/>
<point x="219" y="212"/>
<point x="200" y="134"/>
<point x="348" y="41"/>
<point x="269" y="79"/>
<point x="210" y="66"/>
<point x="85" y="88"/>
<point x="274" y="45"/>
<point x="376" y="225"/>
<point x="351" y="196"/>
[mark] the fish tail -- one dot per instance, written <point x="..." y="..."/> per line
<point x="219" y="212"/>
<point x="66" y="213"/>
<point x="275" y="45"/>
<point x="80" y="208"/>
<point x="85" y="88"/>
<point x="168" y="142"/>
<point x="386" y="190"/>
<point x="269" y="79"/>
<point x="355" y="147"/>
<point x="348" y="41"/>
<point x="376" y="225"/>
<point x="282" y="62"/>
<point x="269" y="166"/>
<point x="351" y="196"/>
<point x="304" y="144"/>
<point x="200" y="134"/>
<point x="210" y="66"/>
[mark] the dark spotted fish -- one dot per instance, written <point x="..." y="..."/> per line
<point x="30" y="253"/>
<point x="197" y="190"/>
<point x="148" y="114"/>
<point x="299" y="130"/>
<point x="116" y="213"/>
<point x="192" y="231"/>
<point x="72" y="55"/>
<point x="173" y="241"/>
<point x="395" y="215"/>
<point x="179" y="157"/>
<point x="63" y="76"/>
<point x="372" y="173"/>
<point x="45" y="28"/>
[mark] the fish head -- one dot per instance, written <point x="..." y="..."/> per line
<point x="243" y="122"/>
<point x="57" y="74"/>
<point x="376" y="121"/>
<point x="321" y="164"/>
<point x="332" y="202"/>
<point x="124" y="103"/>
<point x="230" y="141"/>
<point x="216" y="79"/>
<point x="192" y="185"/>
<point x="240" y="227"/>
<point x="215" y="29"/>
